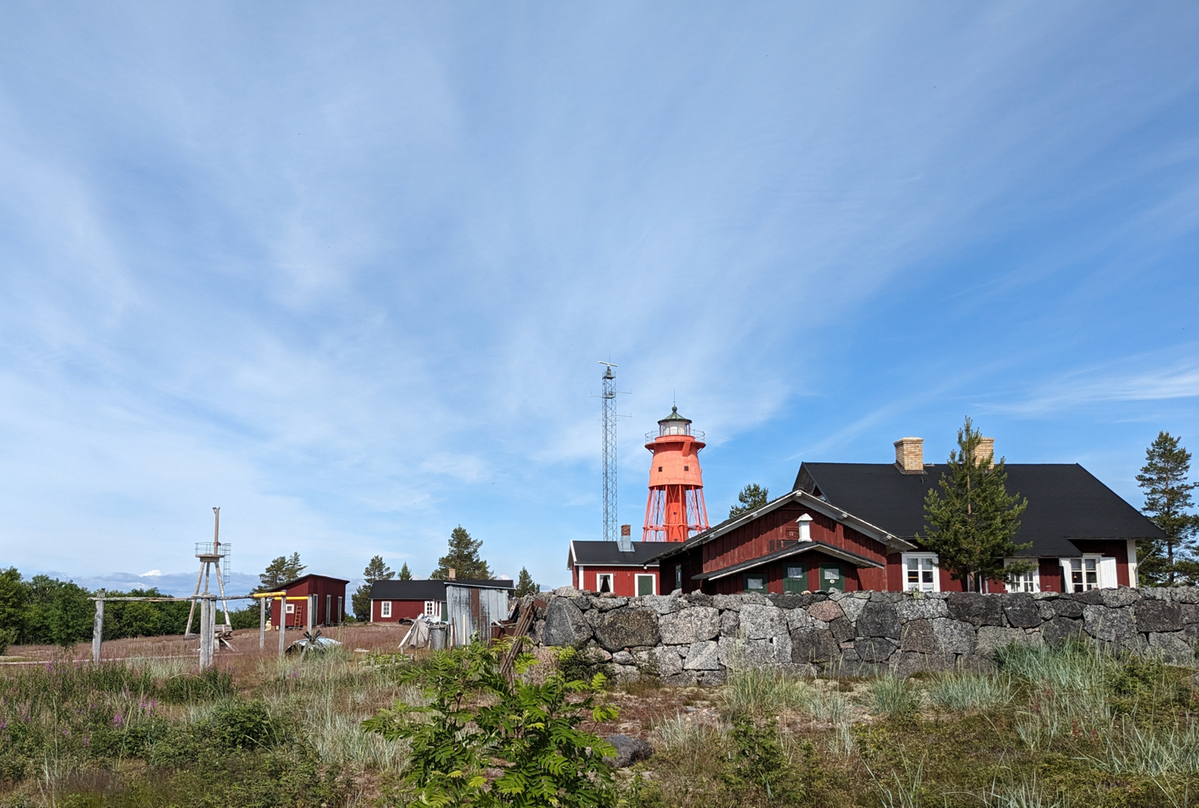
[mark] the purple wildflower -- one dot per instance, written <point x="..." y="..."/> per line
<point x="116" y="719"/>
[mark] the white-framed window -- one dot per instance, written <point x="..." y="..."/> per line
<point x="920" y="573"/>
<point x="291" y="608"/>
<point x="1029" y="581"/>
<point x="1089" y="572"/>
<point x="755" y="583"/>
<point x="385" y="609"/>
<point x="603" y="582"/>
<point x="678" y="575"/>
<point x="645" y="584"/>
<point x="432" y="608"/>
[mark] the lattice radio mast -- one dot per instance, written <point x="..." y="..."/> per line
<point x="608" y="398"/>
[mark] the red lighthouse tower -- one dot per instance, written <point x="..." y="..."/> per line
<point x="675" y="510"/>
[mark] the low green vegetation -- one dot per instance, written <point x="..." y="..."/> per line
<point x="1066" y="727"/>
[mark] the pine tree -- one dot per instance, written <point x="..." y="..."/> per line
<point x="1163" y="478"/>
<point x="751" y="497"/>
<point x="280" y="571"/>
<point x="972" y="520"/>
<point x="525" y="585"/>
<point x="405" y="573"/>
<point x="375" y="570"/>
<point x="463" y="558"/>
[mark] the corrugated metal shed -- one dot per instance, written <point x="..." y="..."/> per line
<point x="472" y="610"/>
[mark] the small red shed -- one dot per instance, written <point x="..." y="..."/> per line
<point x="329" y="604"/>
<point x="604" y="566"/>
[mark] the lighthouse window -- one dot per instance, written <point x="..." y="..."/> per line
<point x="686" y="468"/>
<point x="659" y="468"/>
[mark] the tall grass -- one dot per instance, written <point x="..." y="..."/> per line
<point x="755" y="691"/>
<point x="894" y="697"/>
<point x="1153" y="750"/>
<point x="1022" y="795"/>
<point x="684" y="733"/>
<point x="1064" y="688"/>
<point x="966" y="692"/>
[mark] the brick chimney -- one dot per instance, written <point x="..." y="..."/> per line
<point x="986" y="446"/>
<point x="909" y="455"/>
<point x="450" y="573"/>
<point x="626" y="539"/>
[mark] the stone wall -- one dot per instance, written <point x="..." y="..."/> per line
<point x="694" y="638"/>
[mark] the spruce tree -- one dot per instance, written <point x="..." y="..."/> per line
<point x="972" y="519"/>
<point x="525" y="584"/>
<point x="1163" y="478"/>
<point x="405" y="573"/>
<point x="375" y="570"/>
<point x="280" y="571"/>
<point x="463" y="558"/>
<point x="751" y="496"/>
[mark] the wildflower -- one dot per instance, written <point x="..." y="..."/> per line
<point x="116" y="719"/>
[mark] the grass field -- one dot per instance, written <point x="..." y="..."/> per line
<point x="1068" y="727"/>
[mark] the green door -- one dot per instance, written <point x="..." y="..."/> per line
<point x="796" y="579"/>
<point x="832" y="576"/>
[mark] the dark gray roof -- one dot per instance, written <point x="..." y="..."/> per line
<point x="607" y="553"/>
<point x="1065" y="501"/>
<point x="425" y="589"/>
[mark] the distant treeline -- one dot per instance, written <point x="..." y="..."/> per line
<point x="47" y="611"/>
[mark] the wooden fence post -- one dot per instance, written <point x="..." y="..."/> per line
<point x="261" y="623"/>
<point x="97" y="631"/>
<point x="282" y="624"/>
<point x="207" y="631"/>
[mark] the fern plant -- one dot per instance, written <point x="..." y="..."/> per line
<point x="485" y="741"/>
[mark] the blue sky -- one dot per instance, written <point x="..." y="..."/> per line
<point x="346" y="270"/>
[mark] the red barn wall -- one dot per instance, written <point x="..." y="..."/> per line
<point x="624" y="580"/>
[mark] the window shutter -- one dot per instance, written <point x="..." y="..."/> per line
<point x="1107" y="572"/>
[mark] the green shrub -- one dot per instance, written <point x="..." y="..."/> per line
<point x="476" y="718"/>
<point x="758" y="771"/>
<point x="239" y="724"/>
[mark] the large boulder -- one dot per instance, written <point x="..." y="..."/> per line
<point x="565" y="623"/>
<point x="759" y="653"/>
<point x="992" y="638"/>
<point x="1172" y="647"/>
<point x="976" y="609"/>
<point x="1103" y="623"/>
<point x="689" y="625"/>
<point x="907" y="663"/>
<point x="853" y="604"/>
<point x="814" y="646"/>
<point x="1021" y="611"/>
<point x="666" y="661"/>
<point x="921" y="609"/>
<point x="762" y="622"/>
<point x="826" y="611"/>
<point x="801" y="618"/>
<point x="629" y="750"/>
<point x="660" y="604"/>
<point x="627" y="628"/>
<point x="1157" y="616"/>
<point x="954" y="636"/>
<point x="1060" y="629"/>
<point x="607" y="603"/>
<point x="1118" y="598"/>
<point x="875" y="649"/>
<point x="918" y="637"/>
<point x="1067" y="606"/>
<point x="878" y="619"/>
<point x="703" y="656"/>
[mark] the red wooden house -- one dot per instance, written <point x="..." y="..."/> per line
<point x="854" y="525"/>
<point x="393" y="601"/>
<point x="795" y="543"/>
<point x="329" y="603"/>
<point x="627" y="568"/>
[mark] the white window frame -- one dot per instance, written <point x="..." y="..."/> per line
<point x="291" y="608"/>
<point x="385" y="609"/>
<point x="921" y="586"/>
<point x="599" y="582"/>
<point x="678" y="576"/>
<point x="433" y="609"/>
<point x="653" y="583"/>
<point x="1105" y="572"/>
<point x="1031" y="578"/>
<point x="765" y="581"/>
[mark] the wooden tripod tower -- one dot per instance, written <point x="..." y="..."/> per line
<point x="211" y="556"/>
